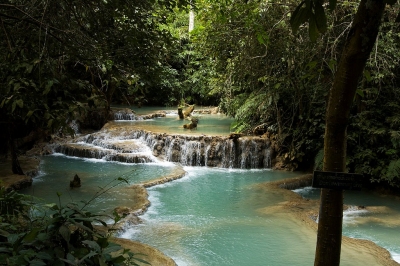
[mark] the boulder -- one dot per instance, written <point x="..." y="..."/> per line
<point x="76" y="182"/>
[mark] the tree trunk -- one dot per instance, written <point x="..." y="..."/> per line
<point x="359" y="43"/>
<point x="15" y="166"/>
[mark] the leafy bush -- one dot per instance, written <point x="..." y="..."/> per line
<point x="51" y="234"/>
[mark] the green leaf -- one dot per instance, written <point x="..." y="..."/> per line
<point x="113" y="248"/>
<point x="65" y="233"/>
<point x="20" y="103"/>
<point x="30" y="113"/>
<point x="312" y="28"/>
<point x="398" y="18"/>
<point x="367" y="75"/>
<point x="48" y="87"/>
<point x="44" y="256"/>
<point x="360" y="92"/>
<point x="332" y="4"/>
<point x="5" y="250"/>
<point x="92" y="244"/>
<point x="103" y="242"/>
<point x="14" y="104"/>
<point x="30" y="237"/>
<point x="90" y="254"/>
<point x="332" y="64"/>
<point x="320" y="17"/>
<point x="262" y="37"/>
<point x="299" y="16"/>
<point x="312" y="64"/>
<point x="119" y="259"/>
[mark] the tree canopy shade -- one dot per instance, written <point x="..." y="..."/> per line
<point x="268" y="77"/>
<point x="58" y="55"/>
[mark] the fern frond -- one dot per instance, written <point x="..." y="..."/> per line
<point x="393" y="170"/>
<point x="319" y="160"/>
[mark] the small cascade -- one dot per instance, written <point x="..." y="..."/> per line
<point x="140" y="146"/>
<point x="191" y="153"/>
<point x="84" y="151"/>
<point x="128" y="115"/>
<point x="125" y="116"/>
<point x="74" y="124"/>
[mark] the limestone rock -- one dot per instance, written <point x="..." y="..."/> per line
<point x="76" y="182"/>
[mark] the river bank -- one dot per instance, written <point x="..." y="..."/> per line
<point x="301" y="210"/>
<point x="305" y="212"/>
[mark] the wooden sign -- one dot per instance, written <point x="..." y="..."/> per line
<point x="338" y="180"/>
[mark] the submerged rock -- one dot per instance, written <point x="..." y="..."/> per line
<point x="76" y="182"/>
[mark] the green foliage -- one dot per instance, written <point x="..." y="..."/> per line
<point x="319" y="160"/>
<point x="51" y="234"/>
<point x="311" y="11"/>
<point x="266" y="71"/>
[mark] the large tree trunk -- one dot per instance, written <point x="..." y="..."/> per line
<point x="359" y="43"/>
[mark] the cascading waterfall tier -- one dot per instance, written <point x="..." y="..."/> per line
<point x="140" y="146"/>
<point x="126" y="114"/>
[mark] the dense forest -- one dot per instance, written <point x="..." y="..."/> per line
<point x="253" y="59"/>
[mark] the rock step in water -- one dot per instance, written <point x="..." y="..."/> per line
<point x="140" y="146"/>
<point x="83" y="151"/>
<point x="128" y="114"/>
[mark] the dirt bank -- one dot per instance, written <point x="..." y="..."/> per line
<point x="305" y="211"/>
<point x="30" y="166"/>
<point x="145" y="252"/>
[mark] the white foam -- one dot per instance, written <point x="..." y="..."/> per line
<point x="130" y="232"/>
<point x="352" y="213"/>
<point x="57" y="154"/>
<point x="396" y="256"/>
<point x="303" y="190"/>
<point x="171" y="114"/>
<point x="39" y="177"/>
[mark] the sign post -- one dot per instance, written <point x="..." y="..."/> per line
<point x="338" y="180"/>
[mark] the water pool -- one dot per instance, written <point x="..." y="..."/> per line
<point x="381" y="225"/>
<point x="215" y="125"/>
<point x="56" y="171"/>
<point x="209" y="217"/>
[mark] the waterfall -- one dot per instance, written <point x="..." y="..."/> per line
<point x="125" y="116"/>
<point x="191" y="153"/>
<point x="140" y="146"/>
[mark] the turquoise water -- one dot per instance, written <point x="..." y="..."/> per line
<point x="211" y="216"/>
<point x="58" y="170"/>
<point x="380" y="225"/>
<point x="215" y="125"/>
<point x="144" y="110"/>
